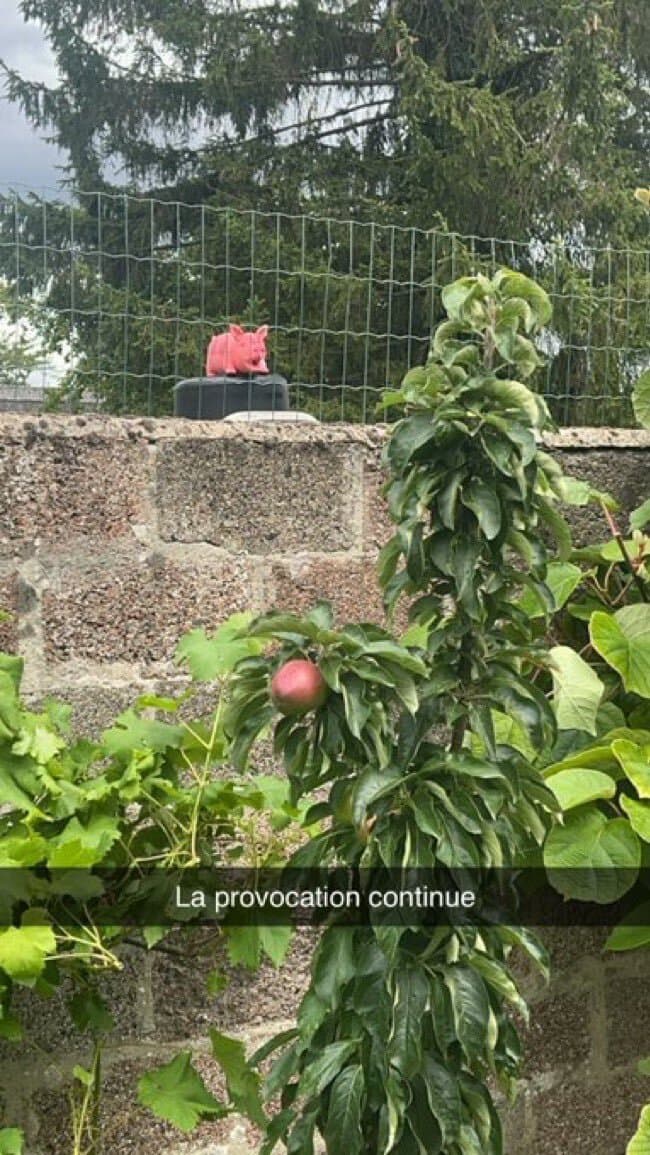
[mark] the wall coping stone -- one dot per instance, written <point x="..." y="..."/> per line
<point x="21" y="427"/>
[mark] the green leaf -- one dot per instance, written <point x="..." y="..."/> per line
<point x="343" y="1126"/>
<point x="558" y="527"/>
<point x="471" y="1009"/>
<point x="444" y="1098"/>
<point x="370" y="784"/>
<point x="639" y="816"/>
<point x="211" y="658"/>
<point x="408" y="436"/>
<point x="641" y="401"/>
<point x="575" y="491"/>
<point x="635" y="763"/>
<point x="512" y="284"/>
<point x="79" y="845"/>
<point x="88" y="1010"/>
<point x="484" y="504"/>
<point x="589" y="841"/>
<point x="39" y="742"/>
<point x="577" y="690"/>
<point x="12" y="795"/>
<point x="334" y="964"/>
<point x="598" y="756"/>
<point x="575" y="787"/>
<point x="11" y="1141"/>
<point x="399" y="655"/>
<point x="623" y="640"/>
<point x="242" y="1081"/>
<point x="417" y="635"/>
<point x="152" y="935"/>
<point x="357" y="709"/>
<point x="23" y="951"/>
<point x="517" y="397"/>
<point x="633" y="932"/>
<point x="404" y="1048"/>
<point x="244" y="946"/>
<point x="640" y="516"/>
<point x="611" y="551"/>
<point x="83" y="1075"/>
<point x="458" y="296"/>
<point x="640" y="1142"/>
<point x="275" y="942"/>
<point x="131" y="732"/>
<point x="562" y="578"/>
<point x="324" y="1068"/>
<point x="176" y="1092"/>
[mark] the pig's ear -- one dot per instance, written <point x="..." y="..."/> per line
<point x="263" y="331"/>
<point x="236" y="330"/>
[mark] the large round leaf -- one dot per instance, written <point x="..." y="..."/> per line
<point x="623" y="640"/>
<point x="591" y="857"/>
<point x="576" y="787"/>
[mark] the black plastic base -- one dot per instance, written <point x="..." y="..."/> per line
<point x="212" y="398"/>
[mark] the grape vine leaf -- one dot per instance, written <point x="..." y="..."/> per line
<point x="176" y="1092"/>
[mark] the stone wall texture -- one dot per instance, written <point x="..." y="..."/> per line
<point x="116" y="536"/>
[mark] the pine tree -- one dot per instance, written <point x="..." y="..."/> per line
<point x="502" y="117"/>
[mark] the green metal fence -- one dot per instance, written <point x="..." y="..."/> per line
<point x="130" y="289"/>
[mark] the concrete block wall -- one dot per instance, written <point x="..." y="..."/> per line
<point x="117" y="536"/>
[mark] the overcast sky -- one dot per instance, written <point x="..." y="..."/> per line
<point x="25" y="158"/>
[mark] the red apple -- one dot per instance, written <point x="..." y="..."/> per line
<point x="298" y="687"/>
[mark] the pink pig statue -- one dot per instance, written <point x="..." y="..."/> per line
<point x="237" y="351"/>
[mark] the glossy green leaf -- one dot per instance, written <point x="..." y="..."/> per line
<point x="343" y="1126"/>
<point x="443" y="1096"/>
<point x="471" y="1008"/>
<point x="334" y="964"/>
<point x="324" y="1068"/>
<point x="484" y="504"/>
<point x="410" y="997"/>
<point x="408" y="437"/>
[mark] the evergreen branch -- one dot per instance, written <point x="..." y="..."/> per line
<point x="351" y="127"/>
